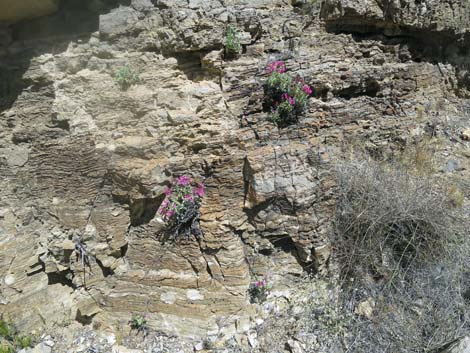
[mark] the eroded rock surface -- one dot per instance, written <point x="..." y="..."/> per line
<point x="83" y="159"/>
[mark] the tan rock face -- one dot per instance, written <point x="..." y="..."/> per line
<point x="13" y="11"/>
<point x="85" y="162"/>
<point x="435" y="16"/>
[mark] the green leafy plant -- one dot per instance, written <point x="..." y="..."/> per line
<point x="232" y="42"/>
<point x="6" y="348"/>
<point x="139" y="323"/>
<point x="23" y="341"/>
<point x="5" y="329"/>
<point x="126" y="77"/>
<point x="180" y="208"/>
<point x="285" y="97"/>
<point x="11" y="340"/>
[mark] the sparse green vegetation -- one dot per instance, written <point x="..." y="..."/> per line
<point x="6" y="348"/>
<point x="126" y="77"/>
<point x="23" y="341"/>
<point x="232" y="42"/>
<point x="139" y="323"/>
<point x="4" y="329"/>
<point x="11" y="340"/>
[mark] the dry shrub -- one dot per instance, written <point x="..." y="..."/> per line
<point x="402" y="240"/>
<point x="390" y="217"/>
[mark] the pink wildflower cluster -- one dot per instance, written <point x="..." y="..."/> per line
<point x="299" y="82"/>
<point x="285" y="96"/>
<point x="307" y="89"/>
<point x="276" y="66"/>
<point x="261" y="283"/>
<point x="259" y="290"/>
<point x="179" y="197"/>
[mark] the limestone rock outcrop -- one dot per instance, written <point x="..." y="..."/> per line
<point x="432" y="16"/>
<point x="82" y="160"/>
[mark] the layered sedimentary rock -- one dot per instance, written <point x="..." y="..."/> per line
<point x="435" y="31"/>
<point x="83" y="159"/>
<point x="432" y="16"/>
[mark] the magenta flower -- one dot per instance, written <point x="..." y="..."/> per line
<point x="199" y="191"/>
<point x="167" y="190"/>
<point x="288" y="98"/>
<point x="261" y="283"/>
<point x="307" y="89"/>
<point x="183" y="180"/>
<point x="179" y="196"/>
<point x="277" y="66"/>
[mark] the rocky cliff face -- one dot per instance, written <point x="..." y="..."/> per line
<point x="80" y="158"/>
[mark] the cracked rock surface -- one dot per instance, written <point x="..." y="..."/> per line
<point x="80" y="158"/>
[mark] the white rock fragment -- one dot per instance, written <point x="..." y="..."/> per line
<point x="194" y="294"/>
<point x="9" y="280"/>
<point x="168" y="297"/>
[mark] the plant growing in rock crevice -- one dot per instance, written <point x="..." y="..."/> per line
<point x="139" y="323"/>
<point x="259" y="290"/>
<point x="12" y="341"/>
<point x="232" y="42"/>
<point x="285" y="97"/>
<point x="126" y="77"/>
<point x="180" y="208"/>
<point x="83" y="257"/>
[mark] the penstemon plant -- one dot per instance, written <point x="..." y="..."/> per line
<point x="180" y="208"/>
<point x="259" y="290"/>
<point x="285" y="97"/>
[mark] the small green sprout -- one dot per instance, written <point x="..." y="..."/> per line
<point x="6" y="348"/>
<point x="139" y="323"/>
<point x="10" y="340"/>
<point x="126" y="77"/>
<point x="23" y="341"/>
<point x="5" y="329"/>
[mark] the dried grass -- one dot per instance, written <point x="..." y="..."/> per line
<point x="402" y="241"/>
